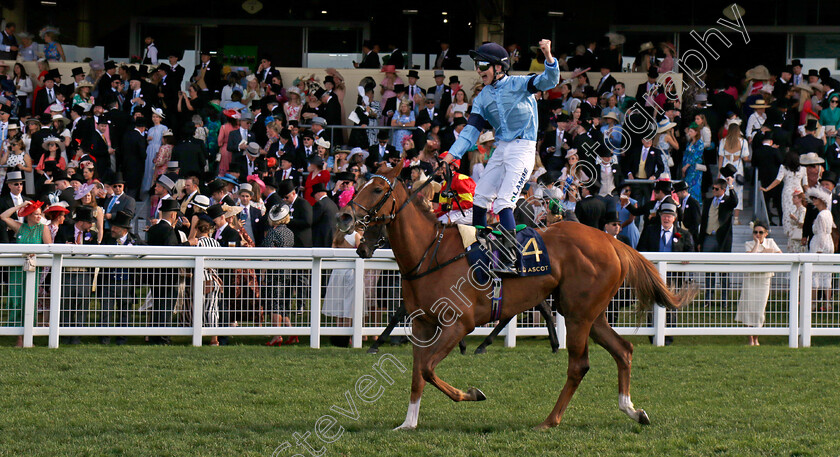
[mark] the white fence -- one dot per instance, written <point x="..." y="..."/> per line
<point x="156" y="291"/>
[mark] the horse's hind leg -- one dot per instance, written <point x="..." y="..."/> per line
<point x="545" y="310"/>
<point x="577" y="343"/>
<point x="622" y="352"/>
<point x="492" y="336"/>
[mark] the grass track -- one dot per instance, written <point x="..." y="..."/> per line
<point x="704" y="396"/>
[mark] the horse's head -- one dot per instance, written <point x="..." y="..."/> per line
<point x="376" y="203"/>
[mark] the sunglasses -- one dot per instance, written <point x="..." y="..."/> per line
<point x="483" y="66"/>
<point x="833" y="101"/>
<point x="15" y="183"/>
<point x="716" y="188"/>
<point x="759" y="232"/>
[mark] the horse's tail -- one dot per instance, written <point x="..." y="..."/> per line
<point x="645" y="278"/>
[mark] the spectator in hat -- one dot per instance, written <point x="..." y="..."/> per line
<point x="154" y="139"/>
<point x="447" y="59"/>
<point x="377" y="152"/>
<point x="670" y="237"/>
<point x="190" y="153"/>
<point x="251" y="216"/>
<point x="301" y="214"/>
<point x="607" y="82"/>
<point x="52" y="160"/>
<point x="331" y="111"/>
<point x="134" y="157"/>
<point x="691" y="210"/>
<point x="809" y="142"/>
<point x="370" y="59"/>
<point x="86" y="196"/>
<point x="319" y="127"/>
<point x="278" y="236"/>
<point x="164" y="153"/>
<point x="440" y="93"/>
<point x="287" y="170"/>
<point x="612" y="226"/>
<point x="118" y="202"/>
<point x="643" y="161"/>
<point x="206" y="74"/>
<point x="239" y="139"/>
<point x="292" y="107"/>
<point x="317" y="174"/>
<point x="312" y="108"/>
<point x="324" y="213"/>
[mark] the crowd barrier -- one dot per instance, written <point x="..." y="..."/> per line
<point x="69" y="290"/>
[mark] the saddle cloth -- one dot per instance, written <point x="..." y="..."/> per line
<point x="531" y="259"/>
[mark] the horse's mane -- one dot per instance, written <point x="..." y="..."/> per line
<point x="424" y="206"/>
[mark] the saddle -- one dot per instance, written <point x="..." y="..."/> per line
<point x="531" y="259"/>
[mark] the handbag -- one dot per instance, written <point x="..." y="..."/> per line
<point x="701" y="168"/>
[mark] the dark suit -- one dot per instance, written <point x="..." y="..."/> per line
<point x="721" y="240"/>
<point x="229" y="235"/>
<point x="641" y="90"/>
<point x="375" y="155"/>
<point x="809" y="143"/>
<point x="123" y="202"/>
<point x="176" y="73"/>
<point x="323" y="222"/>
<point x="9" y="39"/>
<point x="606" y="86"/>
<point x="42" y="101"/>
<point x="691" y="210"/>
<point x="396" y="59"/>
<point x="99" y="150"/>
<point x="150" y="99"/>
<point x="191" y="155"/>
<point x="271" y="201"/>
<point x="332" y="114"/>
<point x="234" y="139"/>
<point x="301" y="222"/>
<point x="267" y="74"/>
<point x="371" y="60"/>
<point x="448" y="61"/>
<point x="134" y="161"/>
<point x="767" y="160"/>
<point x="212" y="79"/>
<point x="419" y="138"/>
<point x="292" y="174"/>
<point x="7" y="235"/>
<point x="445" y="100"/>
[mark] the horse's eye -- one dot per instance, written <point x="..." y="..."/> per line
<point x="377" y="190"/>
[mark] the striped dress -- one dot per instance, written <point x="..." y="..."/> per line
<point x="211" y="279"/>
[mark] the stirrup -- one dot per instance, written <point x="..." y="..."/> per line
<point x="506" y="262"/>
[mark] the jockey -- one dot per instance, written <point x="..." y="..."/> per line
<point x="507" y="104"/>
<point x="455" y="208"/>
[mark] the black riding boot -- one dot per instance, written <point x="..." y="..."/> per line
<point x="506" y="264"/>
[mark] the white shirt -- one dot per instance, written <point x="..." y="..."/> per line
<point x="668" y="233"/>
<point x="122" y="240"/>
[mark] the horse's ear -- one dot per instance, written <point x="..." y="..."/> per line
<point x="397" y="169"/>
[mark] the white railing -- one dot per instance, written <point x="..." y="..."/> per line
<point x="156" y="291"/>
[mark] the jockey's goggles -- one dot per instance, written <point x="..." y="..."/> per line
<point x="483" y="65"/>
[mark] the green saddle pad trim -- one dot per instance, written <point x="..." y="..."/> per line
<point x="498" y="232"/>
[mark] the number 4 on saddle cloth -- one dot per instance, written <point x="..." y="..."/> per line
<point x="532" y="257"/>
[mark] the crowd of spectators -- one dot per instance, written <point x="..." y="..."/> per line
<point x="241" y="158"/>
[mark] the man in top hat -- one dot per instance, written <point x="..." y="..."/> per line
<point x="612" y="226"/>
<point x="239" y="139"/>
<point x="650" y="209"/>
<point x="134" y="157"/>
<point x="219" y="191"/>
<point x="206" y="74"/>
<point x="252" y="162"/>
<point x="306" y="150"/>
<point x="189" y="152"/>
<point x="301" y="214"/>
<point x="272" y="198"/>
<point x="429" y="109"/>
<point x="670" y="237"/>
<point x="104" y="84"/>
<point x="118" y="285"/>
<point x="251" y="216"/>
<point x="378" y="151"/>
<point x="797" y="77"/>
<point x="808" y="142"/>
<point x="118" y="202"/>
<point x="331" y="109"/>
<point x="649" y="87"/>
<point x="412" y="88"/>
<point x="440" y="93"/>
<point x="421" y="130"/>
<point x="316" y="175"/>
<point x="451" y="134"/>
<point x="324" y="213"/>
<point x="607" y="174"/>
<point x="163" y="190"/>
<point x="592" y="209"/>
<point x="607" y="83"/>
<point x="287" y="170"/>
<point x="15" y="197"/>
<point x="168" y="89"/>
<point x="370" y="59"/>
<point x="47" y="95"/>
<point x="691" y="210"/>
<point x="556" y="143"/>
<point x="139" y="97"/>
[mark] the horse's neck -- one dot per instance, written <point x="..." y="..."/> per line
<point x="410" y="235"/>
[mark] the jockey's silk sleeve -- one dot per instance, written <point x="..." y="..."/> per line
<point x="509" y="106"/>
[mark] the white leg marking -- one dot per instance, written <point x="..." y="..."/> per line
<point x="626" y="405"/>
<point x="411" y="416"/>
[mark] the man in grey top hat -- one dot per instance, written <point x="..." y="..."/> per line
<point x="441" y="92"/>
<point x="238" y="139"/>
<point x="14" y="181"/>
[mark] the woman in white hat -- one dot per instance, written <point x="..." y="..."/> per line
<point x="154" y="138"/>
<point x="53" y="155"/>
<point x="164" y="154"/>
<point x="480" y="156"/>
<point x="59" y="129"/>
<point x="821" y="242"/>
<point x="293" y="105"/>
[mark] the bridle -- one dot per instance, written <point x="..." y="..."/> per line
<point x="370" y="213"/>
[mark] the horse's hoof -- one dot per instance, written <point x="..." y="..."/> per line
<point x="476" y="394"/>
<point x="643" y="417"/>
<point x="543" y="427"/>
<point x="555" y="350"/>
<point x="463" y="351"/>
<point x="373" y="350"/>
<point x="480" y="350"/>
<point x="404" y="427"/>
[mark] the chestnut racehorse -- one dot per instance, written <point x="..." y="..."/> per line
<point x="587" y="268"/>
